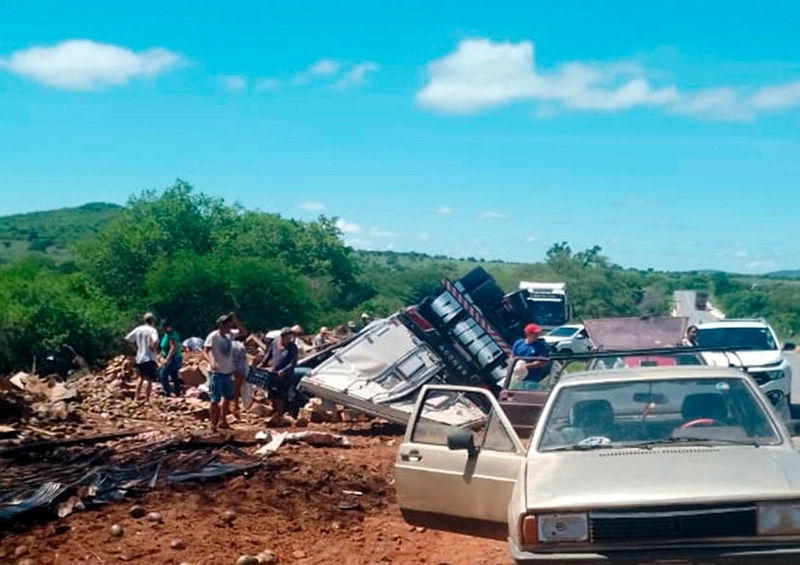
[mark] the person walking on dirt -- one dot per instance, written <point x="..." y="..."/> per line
<point x="532" y="346"/>
<point x="145" y="338"/>
<point x="218" y="351"/>
<point x="172" y="352"/>
<point x="281" y="359"/>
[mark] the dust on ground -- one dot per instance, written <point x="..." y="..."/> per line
<point x="305" y="505"/>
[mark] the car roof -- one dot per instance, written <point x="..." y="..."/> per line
<point x="650" y="373"/>
<point x="732" y="324"/>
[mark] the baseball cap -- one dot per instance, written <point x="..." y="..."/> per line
<point x="223" y="319"/>
<point x="532" y="329"/>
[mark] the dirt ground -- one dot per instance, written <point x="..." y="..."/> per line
<point x="300" y="506"/>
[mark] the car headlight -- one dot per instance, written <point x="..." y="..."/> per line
<point x="563" y="527"/>
<point x="775" y="375"/>
<point x="778" y="518"/>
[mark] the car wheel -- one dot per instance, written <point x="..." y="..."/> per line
<point x="566" y="351"/>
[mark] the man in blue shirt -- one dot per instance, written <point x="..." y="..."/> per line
<point x="532" y="346"/>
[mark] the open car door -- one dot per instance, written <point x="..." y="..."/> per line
<point x="458" y="463"/>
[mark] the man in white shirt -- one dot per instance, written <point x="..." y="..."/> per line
<point x="145" y="338"/>
<point x="218" y="351"/>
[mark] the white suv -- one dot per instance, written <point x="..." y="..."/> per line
<point x="568" y="339"/>
<point x="756" y="348"/>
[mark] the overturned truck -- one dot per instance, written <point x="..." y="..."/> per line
<point x="458" y="335"/>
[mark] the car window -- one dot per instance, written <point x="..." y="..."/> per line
<point x="754" y="338"/>
<point x="444" y="412"/>
<point x="563" y="331"/>
<point x="718" y="411"/>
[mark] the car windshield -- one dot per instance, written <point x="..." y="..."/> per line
<point x="648" y="412"/>
<point x="564" y="331"/>
<point x="627" y="362"/>
<point x="548" y="311"/>
<point x="758" y="339"/>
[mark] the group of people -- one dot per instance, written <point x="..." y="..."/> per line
<point x="160" y="358"/>
<point x="149" y="347"/>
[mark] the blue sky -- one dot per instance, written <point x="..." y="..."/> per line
<point x="665" y="132"/>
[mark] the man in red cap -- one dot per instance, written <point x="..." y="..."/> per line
<point x="532" y="346"/>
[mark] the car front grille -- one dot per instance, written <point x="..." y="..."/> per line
<point x="673" y="523"/>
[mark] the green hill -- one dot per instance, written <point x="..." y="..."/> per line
<point x="51" y="232"/>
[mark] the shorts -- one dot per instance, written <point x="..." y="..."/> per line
<point x="148" y="370"/>
<point x="221" y="386"/>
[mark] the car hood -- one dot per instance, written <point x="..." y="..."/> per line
<point x="746" y="358"/>
<point x="660" y="476"/>
<point x="554" y="338"/>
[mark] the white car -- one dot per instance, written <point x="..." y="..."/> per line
<point x="678" y="465"/>
<point x="757" y="349"/>
<point x="568" y="339"/>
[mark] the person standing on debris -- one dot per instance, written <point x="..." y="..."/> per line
<point x="532" y="346"/>
<point x="173" y="359"/>
<point x="218" y="351"/>
<point x="281" y="359"/>
<point x="321" y="340"/>
<point x="240" y="368"/>
<point x="145" y="338"/>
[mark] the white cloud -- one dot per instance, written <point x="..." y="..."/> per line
<point x="716" y="103"/>
<point x="82" y="64"/>
<point x="267" y="84"/>
<point x="312" y="206"/>
<point x="777" y="97"/>
<point x="493" y="216"/>
<point x="444" y="211"/>
<point x="531" y="239"/>
<point x="356" y="74"/>
<point x="377" y="232"/>
<point x="325" y="67"/>
<point x="321" y="68"/>
<point x="348" y="227"/>
<point x="481" y="74"/>
<point x="424" y="235"/>
<point x="236" y="83"/>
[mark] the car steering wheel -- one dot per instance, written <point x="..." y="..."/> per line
<point x="700" y="422"/>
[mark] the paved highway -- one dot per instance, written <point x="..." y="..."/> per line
<point x="685" y="306"/>
<point x="794" y="359"/>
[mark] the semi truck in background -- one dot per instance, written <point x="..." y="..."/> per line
<point x="547" y="303"/>
<point x="461" y="334"/>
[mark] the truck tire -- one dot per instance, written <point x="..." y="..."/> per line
<point x="475" y="278"/>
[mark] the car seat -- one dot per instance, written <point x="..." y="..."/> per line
<point x="593" y="417"/>
<point x="704" y="405"/>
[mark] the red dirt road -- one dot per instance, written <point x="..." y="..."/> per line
<point x="296" y="507"/>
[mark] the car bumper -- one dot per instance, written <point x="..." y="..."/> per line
<point x="778" y="390"/>
<point x="677" y="556"/>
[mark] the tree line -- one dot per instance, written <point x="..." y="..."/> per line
<point x="189" y="257"/>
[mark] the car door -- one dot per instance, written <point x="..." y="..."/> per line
<point x="458" y="463"/>
<point x="581" y="341"/>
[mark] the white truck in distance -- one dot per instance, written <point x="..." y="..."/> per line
<point x="548" y="302"/>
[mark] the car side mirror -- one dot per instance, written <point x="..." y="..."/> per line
<point x="789" y="346"/>
<point x="794" y="427"/>
<point x="461" y="440"/>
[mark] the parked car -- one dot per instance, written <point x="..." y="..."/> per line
<point x="568" y="339"/>
<point x="609" y="334"/>
<point x="679" y="465"/>
<point x="757" y="350"/>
